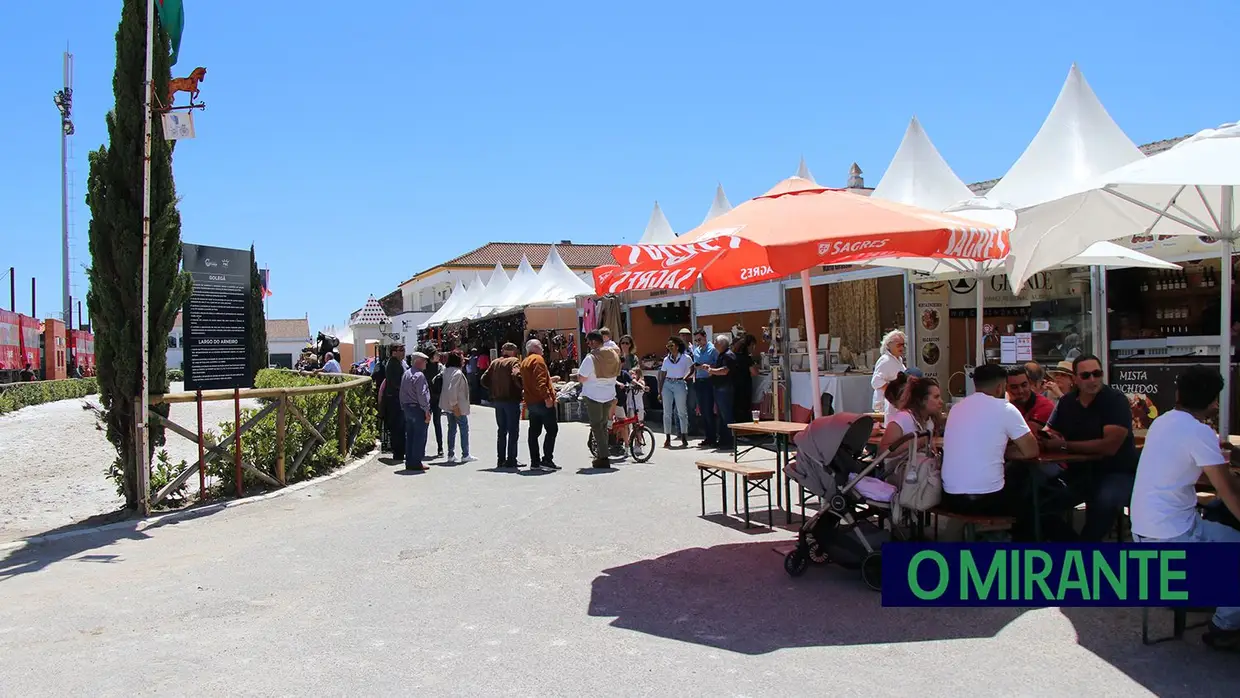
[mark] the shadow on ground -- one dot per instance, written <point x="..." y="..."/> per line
<point x="121" y="525"/>
<point x="737" y="597"/>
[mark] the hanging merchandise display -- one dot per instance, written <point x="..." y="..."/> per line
<point x="609" y="313"/>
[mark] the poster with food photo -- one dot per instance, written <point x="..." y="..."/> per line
<point x="929" y="350"/>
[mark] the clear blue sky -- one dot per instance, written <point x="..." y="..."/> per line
<point x="432" y="128"/>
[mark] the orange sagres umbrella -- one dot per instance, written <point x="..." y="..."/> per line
<point x="792" y="228"/>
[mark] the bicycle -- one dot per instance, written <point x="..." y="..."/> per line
<point x="641" y="439"/>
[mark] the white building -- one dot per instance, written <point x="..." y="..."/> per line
<point x="285" y="340"/>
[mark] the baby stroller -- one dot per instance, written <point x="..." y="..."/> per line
<point x="848" y="529"/>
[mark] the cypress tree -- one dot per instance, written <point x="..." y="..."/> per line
<point x="114" y="195"/>
<point x="258" y="321"/>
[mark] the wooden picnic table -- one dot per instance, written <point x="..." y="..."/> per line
<point x="782" y="433"/>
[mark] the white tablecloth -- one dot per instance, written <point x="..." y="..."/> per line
<point x="852" y="392"/>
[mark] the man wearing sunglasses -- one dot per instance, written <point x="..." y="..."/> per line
<point x="1095" y="420"/>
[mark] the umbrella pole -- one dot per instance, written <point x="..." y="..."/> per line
<point x="1228" y="240"/>
<point x="979" y="357"/>
<point x="807" y="301"/>
<point x="910" y="321"/>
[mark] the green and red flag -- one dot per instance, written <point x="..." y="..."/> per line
<point x="172" y="17"/>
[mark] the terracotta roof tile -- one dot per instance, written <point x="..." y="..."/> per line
<point x="508" y="255"/>
<point x="298" y="329"/>
<point x="980" y="188"/>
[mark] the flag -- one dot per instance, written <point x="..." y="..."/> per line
<point x="172" y="17"/>
<point x="264" y="276"/>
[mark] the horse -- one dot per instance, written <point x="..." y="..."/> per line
<point x="189" y="84"/>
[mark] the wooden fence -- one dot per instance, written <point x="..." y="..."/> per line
<point x="338" y="411"/>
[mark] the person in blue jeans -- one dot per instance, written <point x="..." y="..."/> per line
<point x="674" y="391"/>
<point x="704" y="356"/>
<point x="724" y="387"/>
<point x="1180" y="447"/>
<point x="454" y="401"/>
<point x="502" y="381"/>
<point x="415" y="403"/>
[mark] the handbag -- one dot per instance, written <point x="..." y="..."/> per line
<point x="920" y="487"/>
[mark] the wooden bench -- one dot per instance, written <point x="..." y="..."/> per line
<point x="972" y="522"/>
<point x="757" y="478"/>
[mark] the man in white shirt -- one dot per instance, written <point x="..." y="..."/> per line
<point x="983" y="431"/>
<point x="600" y="396"/>
<point x="1179" y="447"/>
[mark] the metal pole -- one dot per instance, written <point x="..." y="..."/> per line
<point x="980" y="357"/>
<point x="66" y="300"/>
<point x="34" y="308"/>
<point x="807" y="301"/>
<point x="143" y="456"/>
<point x="1225" y="224"/>
<point x="12" y="290"/>
<point x="910" y="321"/>
<point x="1098" y="303"/>
<point x="202" y="462"/>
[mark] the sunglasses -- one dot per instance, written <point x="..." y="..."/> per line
<point x="1086" y="375"/>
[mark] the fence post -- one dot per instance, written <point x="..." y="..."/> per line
<point x="342" y="427"/>
<point x="281" y="427"/>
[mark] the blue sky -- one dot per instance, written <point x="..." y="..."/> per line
<point x="356" y="144"/>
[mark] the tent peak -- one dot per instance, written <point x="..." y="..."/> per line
<point x="1077" y="142"/>
<point x="719" y="206"/>
<point x="658" y="229"/>
<point x="804" y="173"/>
<point x="919" y="176"/>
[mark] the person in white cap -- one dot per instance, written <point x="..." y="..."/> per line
<point x="415" y="403"/>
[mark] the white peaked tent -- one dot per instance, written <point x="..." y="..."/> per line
<point x="461" y="312"/>
<point x="1078" y="141"/>
<point x="658" y="230"/>
<point x="559" y="285"/>
<point x="371" y="314"/>
<point x="719" y="206"/>
<point x="919" y="176"/>
<point x="492" y="296"/>
<point x="449" y="306"/>
<point x="523" y="282"/>
<point x="804" y="173"/>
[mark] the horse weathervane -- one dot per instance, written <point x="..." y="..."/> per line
<point x="188" y="85"/>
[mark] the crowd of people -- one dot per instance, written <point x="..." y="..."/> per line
<point x="419" y="392"/>
<point x="1001" y="447"/>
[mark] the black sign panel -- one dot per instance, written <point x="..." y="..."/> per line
<point x="216" y="318"/>
<point x="1151" y="391"/>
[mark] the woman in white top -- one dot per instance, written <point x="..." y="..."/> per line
<point x="674" y="391"/>
<point x="888" y="366"/>
<point x="921" y="403"/>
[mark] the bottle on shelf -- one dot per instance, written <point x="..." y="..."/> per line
<point x="1158" y="283"/>
<point x="1145" y="286"/>
<point x="1183" y="280"/>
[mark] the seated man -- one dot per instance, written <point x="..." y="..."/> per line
<point x="1023" y="393"/>
<point x="983" y="431"/>
<point x="1095" y="420"/>
<point x="1179" y="448"/>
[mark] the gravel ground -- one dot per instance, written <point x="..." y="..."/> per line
<point x="53" y="462"/>
<point x="464" y="581"/>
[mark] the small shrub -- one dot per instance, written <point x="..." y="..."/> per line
<point x="258" y="445"/>
<point x="163" y="470"/>
<point x="176" y="375"/>
<point x="15" y="396"/>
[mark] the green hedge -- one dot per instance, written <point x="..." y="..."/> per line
<point x="15" y="396"/>
<point x="258" y="445"/>
<point x="175" y="375"/>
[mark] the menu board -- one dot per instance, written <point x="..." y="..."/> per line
<point x="216" y="318"/>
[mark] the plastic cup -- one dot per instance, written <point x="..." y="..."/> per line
<point x="756" y="414"/>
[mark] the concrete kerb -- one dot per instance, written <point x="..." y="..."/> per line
<point x="187" y="514"/>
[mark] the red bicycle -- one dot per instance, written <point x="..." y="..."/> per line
<point x="641" y="438"/>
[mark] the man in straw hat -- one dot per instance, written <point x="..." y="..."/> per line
<point x="1059" y="381"/>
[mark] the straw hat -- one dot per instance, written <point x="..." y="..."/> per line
<point x="1061" y="367"/>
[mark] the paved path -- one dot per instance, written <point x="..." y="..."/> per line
<point x="465" y="581"/>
